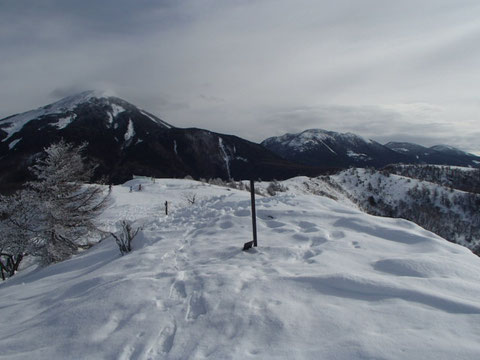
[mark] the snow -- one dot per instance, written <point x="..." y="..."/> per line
<point x="116" y="109"/>
<point x="449" y="149"/>
<point x="353" y="154"/>
<point x="326" y="282"/>
<point x="305" y="140"/>
<point x="158" y="121"/>
<point x="130" y="131"/>
<point x="225" y="156"/>
<point x="65" y="121"/>
<point x="13" y="143"/>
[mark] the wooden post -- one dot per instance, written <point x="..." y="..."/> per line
<point x="249" y="244"/>
<point x="254" y="213"/>
<point x="166" y="207"/>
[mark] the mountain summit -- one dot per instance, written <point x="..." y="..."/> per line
<point x="84" y="109"/>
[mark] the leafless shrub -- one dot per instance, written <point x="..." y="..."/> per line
<point x="125" y="236"/>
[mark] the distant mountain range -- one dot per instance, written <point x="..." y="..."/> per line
<point x="318" y="147"/>
<point x="125" y="140"/>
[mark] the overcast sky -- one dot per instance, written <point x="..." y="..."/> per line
<point x="388" y="70"/>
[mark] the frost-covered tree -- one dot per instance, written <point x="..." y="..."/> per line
<point x="18" y="224"/>
<point x="54" y="214"/>
<point x="67" y="207"/>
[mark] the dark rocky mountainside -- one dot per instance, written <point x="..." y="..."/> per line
<point x="125" y="140"/>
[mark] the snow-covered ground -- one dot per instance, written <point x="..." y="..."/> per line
<point x="326" y="282"/>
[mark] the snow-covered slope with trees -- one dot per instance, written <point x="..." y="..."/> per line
<point x="453" y="214"/>
<point x="326" y="282"/>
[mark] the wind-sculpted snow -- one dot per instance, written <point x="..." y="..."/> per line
<point x="326" y="282"/>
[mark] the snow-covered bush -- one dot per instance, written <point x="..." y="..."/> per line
<point x="274" y="187"/>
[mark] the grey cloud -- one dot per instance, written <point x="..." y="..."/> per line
<point x="255" y="68"/>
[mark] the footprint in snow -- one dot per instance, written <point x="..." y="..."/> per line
<point x="196" y="306"/>
<point x="300" y="237"/>
<point x="274" y="224"/>
<point x="309" y="254"/>
<point x="242" y="212"/>
<point x="336" y="235"/>
<point x="318" y="240"/>
<point x="226" y="225"/>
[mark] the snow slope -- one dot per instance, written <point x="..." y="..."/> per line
<point x="448" y="212"/>
<point x="326" y="282"/>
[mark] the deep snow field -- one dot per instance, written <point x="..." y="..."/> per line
<point x="326" y="282"/>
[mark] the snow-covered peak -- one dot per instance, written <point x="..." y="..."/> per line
<point x="67" y="109"/>
<point x="312" y="137"/>
<point x="66" y="105"/>
<point x="448" y="149"/>
<point x="405" y="147"/>
<point x="71" y="102"/>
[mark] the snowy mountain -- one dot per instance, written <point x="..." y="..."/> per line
<point x="331" y="149"/>
<point x="438" y="154"/>
<point x="126" y="140"/>
<point x="327" y="281"/>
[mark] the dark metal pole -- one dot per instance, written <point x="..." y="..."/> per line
<point x="254" y="214"/>
<point x="166" y="207"/>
